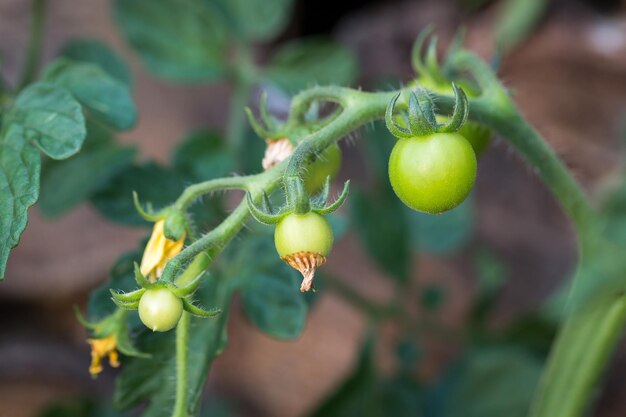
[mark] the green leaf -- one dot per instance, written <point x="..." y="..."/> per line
<point x="273" y="302"/>
<point x="122" y="278"/>
<point x="20" y="164"/>
<point x="443" y="233"/>
<point x="155" y="184"/>
<point x="67" y="183"/>
<point x="257" y="19"/>
<point x="309" y="62"/>
<point x="81" y="407"/>
<point x="381" y="225"/>
<point x="96" y="52"/>
<point x="517" y="20"/>
<point x="154" y="379"/>
<point x="107" y="98"/>
<point x="202" y="156"/>
<point x="181" y="40"/>
<point x="490" y="382"/>
<point x="50" y="117"/>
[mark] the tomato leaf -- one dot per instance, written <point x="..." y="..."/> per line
<point x="155" y="184"/>
<point x="51" y="118"/>
<point x="202" y="155"/>
<point x="309" y="62"/>
<point x="107" y="98"/>
<point x="67" y="183"/>
<point x="181" y="40"/>
<point x="273" y="302"/>
<point x="257" y="20"/>
<point x="444" y="233"/>
<point x="20" y="164"/>
<point x="381" y="225"/>
<point x="96" y="52"/>
<point x="488" y="382"/>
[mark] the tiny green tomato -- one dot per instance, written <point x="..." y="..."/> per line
<point x="160" y="309"/>
<point x="327" y="164"/>
<point x="432" y="173"/>
<point x="303" y="241"/>
<point x="308" y="232"/>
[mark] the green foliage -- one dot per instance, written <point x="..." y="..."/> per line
<point x="69" y="183"/>
<point x="274" y="304"/>
<point x="518" y="18"/>
<point x="93" y="51"/>
<point x="489" y="382"/>
<point x="444" y="233"/>
<point x="50" y="117"/>
<point x="202" y="155"/>
<point x="154" y="183"/>
<point x="255" y="20"/>
<point x="182" y="40"/>
<point x="107" y="98"/>
<point x="19" y="187"/>
<point x="308" y="62"/>
<point x="270" y="289"/>
<point x="380" y="223"/>
<point x="81" y="407"/>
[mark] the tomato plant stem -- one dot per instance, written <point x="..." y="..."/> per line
<point x="182" y="337"/>
<point x="33" y="53"/>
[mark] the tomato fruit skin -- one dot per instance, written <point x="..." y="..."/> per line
<point x="432" y="173"/>
<point x="327" y="164"/>
<point x="309" y="233"/>
<point x="160" y="309"/>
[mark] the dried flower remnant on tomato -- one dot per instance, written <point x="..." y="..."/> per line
<point x="276" y="152"/>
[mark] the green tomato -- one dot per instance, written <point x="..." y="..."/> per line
<point x="327" y="164"/>
<point x="432" y="173"/>
<point x="160" y="309"/>
<point x="308" y="232"/>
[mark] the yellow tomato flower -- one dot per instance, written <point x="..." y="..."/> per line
<point x="159" y="251"/>
<point x="101" y="348"/>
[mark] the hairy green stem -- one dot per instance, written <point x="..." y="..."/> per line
<point x="182" y="350"/>
<point x="195" y="191"/>
<point x="244" y="75"/>
<point x="33" y="53"/>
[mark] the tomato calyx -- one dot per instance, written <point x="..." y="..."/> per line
<point x="182" y="289"/>
<point x="421" y="119"/>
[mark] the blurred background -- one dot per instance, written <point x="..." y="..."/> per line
<point x="492" y="262"/>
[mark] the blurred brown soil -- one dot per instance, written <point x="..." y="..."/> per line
<point x="570" y="85"/>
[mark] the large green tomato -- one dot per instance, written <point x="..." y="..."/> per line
<point x="327" y="164"/>
<point x="160" y="309"/>
<point x="432" y="173"/>
<point x="308" y="233"/>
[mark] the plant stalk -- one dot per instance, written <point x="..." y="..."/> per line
<point x="33" y="52"/>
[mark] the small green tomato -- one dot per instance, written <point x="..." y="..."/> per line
<point x="160" y="309"/>
<point x="432" y="173"/>
<point x="327" y="164"/>
<point x="303" y="241"/>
